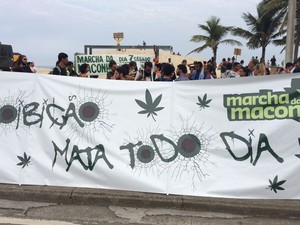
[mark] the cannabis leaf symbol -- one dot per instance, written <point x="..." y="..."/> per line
<point x="294" y="91"/>
<point x="203" y="103"/>
<point x="24" y="160"/>
<point x="275" y="185"/>
<point x="150" y="107"/>
<point x="298" y="155"/>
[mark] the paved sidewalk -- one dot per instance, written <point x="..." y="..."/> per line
<point x="101" y="197"/>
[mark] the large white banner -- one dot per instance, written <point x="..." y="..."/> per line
<point x="217" y="138"/>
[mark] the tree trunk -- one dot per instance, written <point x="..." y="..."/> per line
<point x="290" y="37"/>
<point x="263" y="55"/>
<point x="297" y="41"/>
<point x="215" y="55"/>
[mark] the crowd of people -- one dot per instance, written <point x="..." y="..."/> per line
<point x="229" y="68"/>
<point x="198" y="70"/>
<point x="21" y="65"/>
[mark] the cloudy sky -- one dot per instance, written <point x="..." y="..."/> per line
<point x="41" y="29"/>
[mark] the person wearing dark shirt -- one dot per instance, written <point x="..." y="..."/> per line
<point x="297" y="67"/>
<point x="273" y="61"/>
<point x="148" y="75"/>
<point x="21" y="65"/>
<point x="62" y="63"/>
<point x="168" y="72"/>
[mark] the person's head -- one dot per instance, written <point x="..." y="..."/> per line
<point x="169" y="60"/>
<point x="268" y="72"/>
<point x="84" y="68"/>
<point x="181" y="69"/>
<point x="251" y="65"/>
<point x="119" y="73"/>
<point x="69" y="66"/>
<point x="112" y="65"/>
<point x="259" y="69"/>
<point x="208" y="70"/>
<point x="198" y="66"/>
<point x="126" y="69"/>
<point x="289" y="66"/>
<point x="148" y="67"/>
<point x="184" y="62"/>
<point x="244" y="72"/>
<point x="132" y="65"/>
<point x="22" y="60"/>
<point x="192" y="69"/>
<point x="157" y="67"/>
<point x="168" y="69"/>
<point x="236" y="66"/>
<point x="63" y="59"/>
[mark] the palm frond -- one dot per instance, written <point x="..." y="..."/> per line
<point x="231" y="42"/>
<point x="200" y="49"/>
<point x="241" y="33"/>
<point x="214" y="35"/>
<point x="199" y="38"/>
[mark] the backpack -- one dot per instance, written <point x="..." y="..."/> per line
<point x="58" y="68"/>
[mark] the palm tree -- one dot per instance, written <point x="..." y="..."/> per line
<point x="279" y="6"/>
<point x="215" y="34"/>
<point x="263" y="29"/>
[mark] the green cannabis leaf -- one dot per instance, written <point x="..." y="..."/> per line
<point x="150" y="107"/>
<point x="24" y="160"/>
<point x="203" y="103"/>
<point x="275" y="185"/>
<point x="294" y="91"/>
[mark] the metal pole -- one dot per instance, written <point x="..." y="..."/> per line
<point x="290" y="31"/>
